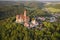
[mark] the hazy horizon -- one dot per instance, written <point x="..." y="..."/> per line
<point x="29" y="0"/>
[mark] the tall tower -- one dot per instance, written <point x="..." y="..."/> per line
<point x="25" y="13"/>
<point x="25" y="19"/>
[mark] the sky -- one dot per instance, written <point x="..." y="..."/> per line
<point x="29" y="0"/>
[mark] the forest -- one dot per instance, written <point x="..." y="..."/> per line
<point x="10" y="30"/>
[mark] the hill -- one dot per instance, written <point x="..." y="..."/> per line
<point x="10" y="30"/>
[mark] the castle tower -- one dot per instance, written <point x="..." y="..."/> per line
<point x="25" y="13"/>
<point x="25" y="16"/>
<point x="17" y="18"/>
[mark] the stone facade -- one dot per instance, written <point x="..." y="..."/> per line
<point x="22" y="18"/>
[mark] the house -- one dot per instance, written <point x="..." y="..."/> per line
<point x="57" y="14"/>
<point x="41" y="18"/>
<point x="26" y="24"/>
<point x="52" y="19"/>
<point x="33" y="23"/>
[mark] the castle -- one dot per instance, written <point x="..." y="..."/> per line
<point x="31" y="22"/>
<point x="22" y="18"/>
